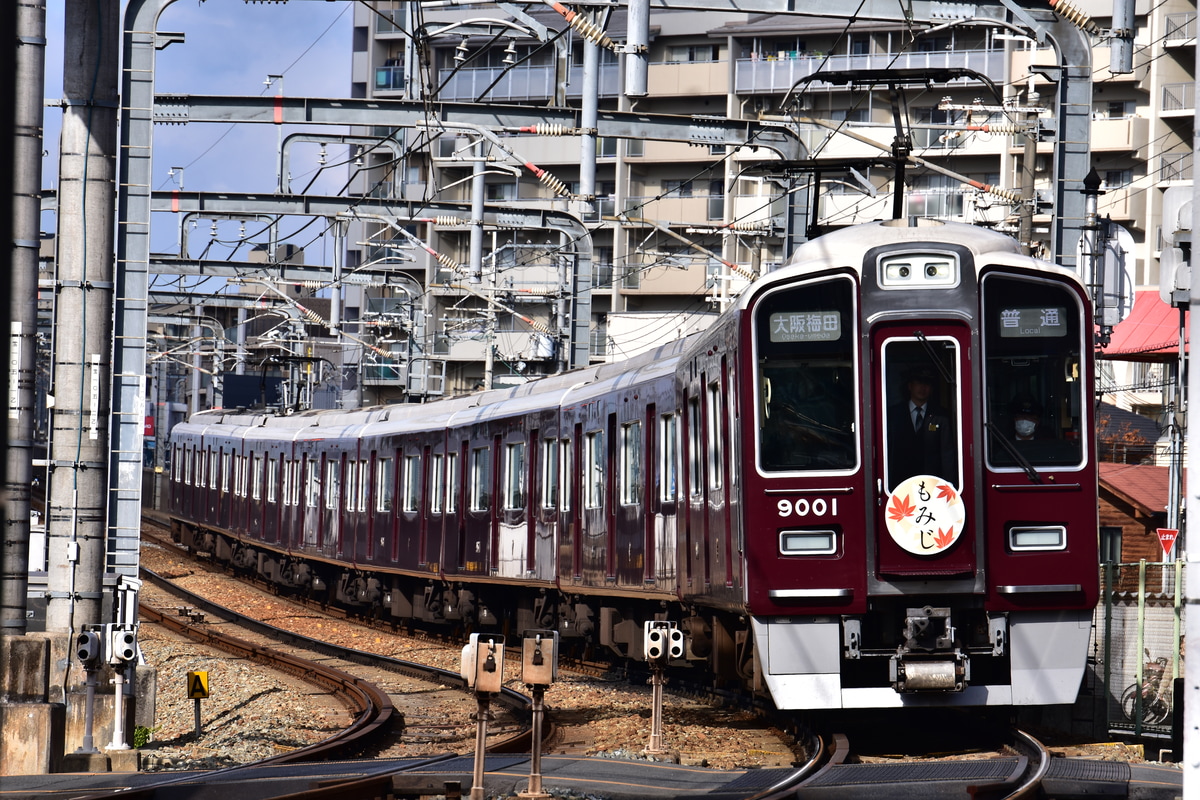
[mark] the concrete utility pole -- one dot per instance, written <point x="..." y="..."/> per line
<point x="30" y="80"/>
<point x="79" y="449"/>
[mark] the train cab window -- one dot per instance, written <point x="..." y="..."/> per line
<point x="383" y="485"/>
<point x="668" y="454"/>
<point x="921" y="389"/>
<point x="593" y="465"/>
<point x="631" y="463"/>
<point x="514" y="476"/>
<point x="312" y="482"/>
<point x="272" y="478"/>
<point x="549" y="477"/>
<point x="333" y="483"/>
<point x="452" y="483"/>
<point x="437" y="483"/>
<point x="412" y="483"/>
<point x="1033" y="341"/>
<point x="481" y="479"/>
<point x="806" y="409"/>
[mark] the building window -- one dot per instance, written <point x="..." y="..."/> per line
<point x="678" y="188"/>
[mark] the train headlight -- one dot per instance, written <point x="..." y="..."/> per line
<point x="1039" y="537"/>
<point x="807" y="543"/>
<point x="918" y="270"/>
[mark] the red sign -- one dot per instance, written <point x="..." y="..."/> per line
<point x="148" y="427"/>
<point x="1167" y="537"/>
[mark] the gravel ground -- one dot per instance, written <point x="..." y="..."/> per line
<point x="254" y="714"/>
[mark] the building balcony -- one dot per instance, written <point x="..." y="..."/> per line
<point x="772" y="74"/>
<point x="390" y="22"/>
<point x="688" y="79"/>
<point x="522" y="83"/>
<point x="685" y="276"/>
<point x="692" y="210"/>
<point x="1178" y="99"/>
<point x="1174" y="168"/>
<point x="1180" y="30"/>
<point x="1129" y="135"/>
<point x="1126" y="204"/>
<point x="525" y="345"/>
<point x="389" y="79"/>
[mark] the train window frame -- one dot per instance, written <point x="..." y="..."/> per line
<point x="333" y="484"/>
<point x="632" y="474"/>
<point x="437" y="483"/>
<point x="384" y="475"/>
<point x="809" y="358"/>
<point x="892" y="368"/>
<point x="411" y="496"/>
<point x="694" y="457"/>
<point x="514" y="476"/>
<point x="668" y="450"/>
<point x="712" y="432"/>
<point x="1050" y="366"/>
<point x="364" y="485"/>
<point x="593" y="465"/>
<point x="550" y="478"/>
<point x="256" y="474"/>
<point x="453" y="480"/>
<point x="312" y="481"/>
<point x="272" y="479"/>
<point x="480" y="474"/>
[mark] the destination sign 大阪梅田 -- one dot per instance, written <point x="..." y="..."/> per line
<point x="806" y="326"/>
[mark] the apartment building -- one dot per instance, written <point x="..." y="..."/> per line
<point x="676" y="227"/>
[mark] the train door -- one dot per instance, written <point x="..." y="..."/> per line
<point x="923" y="387"/>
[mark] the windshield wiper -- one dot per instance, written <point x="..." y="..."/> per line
<point x="933" y="356"/>
<point x="1022" y="462"/>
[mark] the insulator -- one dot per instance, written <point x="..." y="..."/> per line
<point x="553" y="184"/>
<point x="310" y="284"/>
<point x="756" y="225"/>
<point x="591" y="31"/>
<point x="1006" y="194"/>
<point x="312" y="316"/>
<point x="1075" y="16"/>
<point x="551" y="129"/>
<point x="448" y="262"/>
<point x="446" y="220"/>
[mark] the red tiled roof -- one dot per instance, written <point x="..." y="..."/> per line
<point x="1151" y="329"/>
<point x="1142" y="485"/>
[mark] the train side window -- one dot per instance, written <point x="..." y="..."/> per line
<point x="272" y="478"/>
<point x="257" y="476"/>
<point x="631" y="463"/>
<point x="286" y="467"/>
<point x="364" y="485"/>
<point x="807" y="406"/>
<point x="452" y="483"/>
<point x="412" y="483"/>
<point x="550" y="477"/>
<point x="333" y="483"/>
<point x="514" y="476"/>
<point x="716" y="464"/>
<point x="214" y="469"/>
<point x="187" y="466"/>
<point x="668" y="453"/>
<point x="593" y="465"/>
<point x="225" y="470"/>
<point x="694" y="440"/>
<point x="437" y="483"/>
<point x="481" y="479"/>
<point x="239" y="476"/>
<point x="312" y="482"/>
<point x="383" y="485"/>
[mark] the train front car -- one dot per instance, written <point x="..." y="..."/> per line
<point x="920" y="493"/>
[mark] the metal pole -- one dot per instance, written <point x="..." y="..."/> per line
<point x="118" y="741"/>
<point x="79" y="450"/>
<point x="89" y="715"/>
<point x="656" y="713"/>
<point x="481" y="714"/>
<point x="535" y="761"/>
<point x="29" y="81"/>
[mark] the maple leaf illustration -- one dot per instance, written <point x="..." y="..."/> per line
<point x="946" y="492"/>
<point x="944" y="538"/>
<point x="901" y="507"/>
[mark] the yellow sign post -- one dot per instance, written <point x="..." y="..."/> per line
<point x="197" y="689"/>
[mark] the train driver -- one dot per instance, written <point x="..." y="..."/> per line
<point x="1026" y="414"/>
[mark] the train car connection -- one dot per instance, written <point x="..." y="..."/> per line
<point x="870" y="484"/>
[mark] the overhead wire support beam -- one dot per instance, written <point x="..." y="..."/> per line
<point x="782" y="138"/>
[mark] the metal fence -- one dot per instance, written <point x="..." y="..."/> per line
<point x="1139" y="645"/>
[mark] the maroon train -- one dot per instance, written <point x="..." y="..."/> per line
<point x="762" y="484"/>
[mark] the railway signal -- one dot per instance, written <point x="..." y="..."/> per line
<point x="539" y="668"/>
<point x="483" y="670"/>
<point x="662" y="642"/>
<point x="197" y="690"/>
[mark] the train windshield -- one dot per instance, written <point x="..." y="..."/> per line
<point x="806" y="408"/>
<point x="923" y="388"/>
<point x="1033" y="340"/>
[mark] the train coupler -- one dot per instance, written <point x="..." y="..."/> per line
<point x="948" y="672"/>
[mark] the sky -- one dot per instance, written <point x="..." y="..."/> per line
<point x="230" y="49"/>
